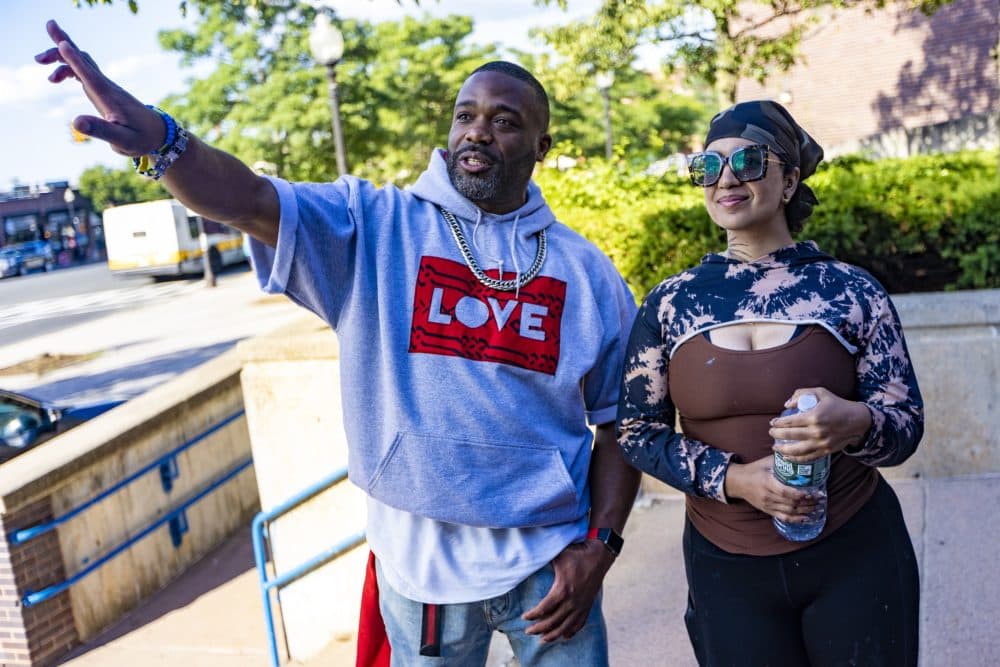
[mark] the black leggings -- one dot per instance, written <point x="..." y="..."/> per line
<point x="850" y="599"/>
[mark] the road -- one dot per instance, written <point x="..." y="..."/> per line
<point x="39" y="303"/>
<point x="133" y="335"/>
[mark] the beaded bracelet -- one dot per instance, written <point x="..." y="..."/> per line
<point x="157" y="162"/>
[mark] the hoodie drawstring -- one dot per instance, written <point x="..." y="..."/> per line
<point x="513" y="252"/>
<point x="499" y="260"/>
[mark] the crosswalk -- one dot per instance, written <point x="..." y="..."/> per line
<point x="83" y="304"/>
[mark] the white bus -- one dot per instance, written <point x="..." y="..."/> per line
<point x="163" y="238"/>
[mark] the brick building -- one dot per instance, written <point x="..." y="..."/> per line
<point x="53" y="212"/>
<point x="894" y="82"/>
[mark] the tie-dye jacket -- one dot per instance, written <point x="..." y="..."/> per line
<point x="796" y="284"/>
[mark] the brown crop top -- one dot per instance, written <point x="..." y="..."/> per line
<point x="726" y="398"/>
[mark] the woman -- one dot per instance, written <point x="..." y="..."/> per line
<point x="727" y="345"/>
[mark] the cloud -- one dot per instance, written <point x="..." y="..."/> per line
<point x="28" y="84"/>
<point x="126" y="69"/>
<point x="25" y="85"/>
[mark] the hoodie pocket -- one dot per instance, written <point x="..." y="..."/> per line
<point x="475" y="483"/>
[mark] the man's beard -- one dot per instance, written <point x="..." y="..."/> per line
<point x="495" y="183"/>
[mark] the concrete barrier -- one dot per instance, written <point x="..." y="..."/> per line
<point x="291" y="385"/>
<point x="60" y="475"/>
<point x="954" y="341"/>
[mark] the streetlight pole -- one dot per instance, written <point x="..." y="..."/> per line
<point x="338" y="133"/>
<point x="604" y="81"/>
<point x="327" y="46"/>
<point x="69" y="197"/>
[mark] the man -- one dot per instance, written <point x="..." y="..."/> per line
<point x="478" y="337"/>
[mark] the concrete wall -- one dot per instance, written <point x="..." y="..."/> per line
<point x="61" y="474"/>
<point x="954" y="342"/>
<point x="291" y="385"/>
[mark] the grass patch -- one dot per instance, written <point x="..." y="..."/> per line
<point x="46" y="363"/>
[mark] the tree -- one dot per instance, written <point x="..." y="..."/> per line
<point x="651" y="116"/>
<point x="107" y="187"/>
<point x="266" y="99"/>
<point x="722" y="41"/>
<point x="133" y="5"/>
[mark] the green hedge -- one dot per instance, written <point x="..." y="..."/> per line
<point x="918" y="224"/>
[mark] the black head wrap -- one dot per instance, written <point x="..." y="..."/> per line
<point x="767" y="122"/>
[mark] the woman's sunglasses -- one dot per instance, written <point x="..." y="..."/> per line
<point x="748" y="163"/>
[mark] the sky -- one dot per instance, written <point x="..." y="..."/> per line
<point x="35" y="141"/>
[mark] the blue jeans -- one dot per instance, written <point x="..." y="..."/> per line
<point x="468" y="628"/>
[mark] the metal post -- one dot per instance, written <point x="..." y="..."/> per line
<point x="206" y="260"/>
<point x="608" y="142"/>
<point x="338" y="134"/>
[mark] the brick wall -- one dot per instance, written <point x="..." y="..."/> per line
<point x="35" y="636"/>
<point x="864" y="74"/>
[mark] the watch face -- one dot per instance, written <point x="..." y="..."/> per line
<point x="611" y="539"/>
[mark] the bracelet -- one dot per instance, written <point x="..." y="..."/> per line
<point x="171" y="128"/>
<point x="154" y="164"/>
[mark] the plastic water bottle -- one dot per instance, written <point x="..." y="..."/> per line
<point x="808" y="476"/>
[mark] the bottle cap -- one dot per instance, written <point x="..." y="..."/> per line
<point x="806" y="402"/>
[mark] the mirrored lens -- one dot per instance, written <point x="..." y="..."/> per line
<point x="748" y="163"/>
<point x="705" y="168"/>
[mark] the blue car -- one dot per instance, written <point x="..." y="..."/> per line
<point x="10" y="263"/>
<point x="26" y="422"/>
<point x="32" y="256"/>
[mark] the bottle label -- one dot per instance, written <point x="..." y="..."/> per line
<point x="806" y="473"/>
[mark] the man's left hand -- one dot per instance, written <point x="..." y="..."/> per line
<point x="579" y="573"/>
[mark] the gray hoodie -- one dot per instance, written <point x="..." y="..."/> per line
<point x="466" y="408"/>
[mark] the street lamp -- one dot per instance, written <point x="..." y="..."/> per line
<point x="69" y="197"/>
<point x="604" y="81"/>
<point x="327" y="46"/>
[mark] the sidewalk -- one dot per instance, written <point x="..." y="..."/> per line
<point x="212" y="616"/>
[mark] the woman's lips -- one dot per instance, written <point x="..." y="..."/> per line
<point x="730" y="201"/>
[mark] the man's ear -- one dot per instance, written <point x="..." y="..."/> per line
<point x="544" y="144"/>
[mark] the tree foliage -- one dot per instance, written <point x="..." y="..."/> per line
<point x="651" y="116"/>
<point x="720" y="41"/>
<point x="107" y="187"/>
<point x="182" y="5"/>
<point x="267" y="99"/>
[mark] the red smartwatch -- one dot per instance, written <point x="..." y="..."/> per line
<point x="609" y="537"/>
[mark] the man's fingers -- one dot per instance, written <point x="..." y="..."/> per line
<point x="545" y="606"/>
<point x="84" y="67"/>
<point x="552" y="625"/>
<point x="57" y="34"/>
<point x="48" y="56"/>
<point x="62" y="73"/>
<point x="569" y="626"/>
<point x="98" y="128"/>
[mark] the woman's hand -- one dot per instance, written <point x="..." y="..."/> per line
<point x="755" y="483"/>
<point x="835" y="423"/>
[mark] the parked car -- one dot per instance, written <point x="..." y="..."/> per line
<point x="26" y="422"/>
<point x="10" y="263"/>
<point x="34" y="255"/>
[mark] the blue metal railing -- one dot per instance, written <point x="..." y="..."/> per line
<point x="260" y="523"/>
<point x="167" y="466"/>
<point x="21" y="536"/>
<point x="33" y="598"/>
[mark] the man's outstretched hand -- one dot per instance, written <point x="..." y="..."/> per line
<point x="125" y="122"/>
